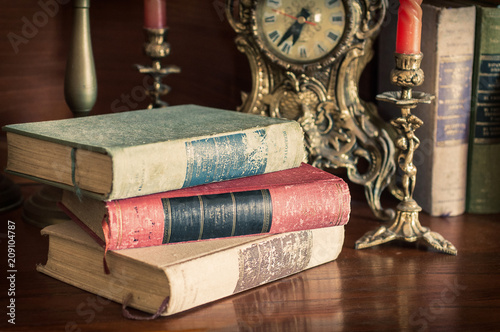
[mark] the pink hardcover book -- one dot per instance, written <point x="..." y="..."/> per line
<point x="296" y="199"/>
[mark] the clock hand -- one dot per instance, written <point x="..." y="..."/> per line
<point x="292" y="17"/>
<point x="296" y="28"/>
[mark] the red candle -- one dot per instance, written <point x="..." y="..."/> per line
<point x="155" y="14"/>
<point x="409" y="27"/>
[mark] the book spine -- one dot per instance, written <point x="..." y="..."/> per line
<point x="274" y="210"/>
<point x="250" y="266"/>
<point x="443" y="149"/>
<point x="320" y="204"/>
<point x="212" y="216"/>
<point x="180" y="164"/>
<point x="483" y="179"/>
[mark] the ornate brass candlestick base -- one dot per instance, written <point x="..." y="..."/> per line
<point x="406" y="226"/>
<point x="157" y="48"/>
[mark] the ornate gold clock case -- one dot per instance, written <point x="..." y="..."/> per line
<point x="306" y="58"/>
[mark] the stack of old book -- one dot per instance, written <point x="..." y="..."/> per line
<point x="186" y="204"/>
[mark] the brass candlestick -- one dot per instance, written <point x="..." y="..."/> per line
<point x="80" y="82"/>
<point x="157" y="48"/>
<point x="406" y="226"/>
<point x="80" y="92"/>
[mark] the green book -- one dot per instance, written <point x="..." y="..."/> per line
<point x="138" y="153"/>
<point x="483" y="178"/>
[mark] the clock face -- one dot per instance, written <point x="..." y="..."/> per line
<point x="300" y="31"/>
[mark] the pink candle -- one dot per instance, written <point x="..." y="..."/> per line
<point x="409" y="27"/>
<point x="155" y="14"/>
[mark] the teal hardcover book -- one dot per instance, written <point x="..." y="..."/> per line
<point x="138" y="153"/>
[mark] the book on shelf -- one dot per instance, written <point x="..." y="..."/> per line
<point x="296" y="199"/>
<point x="164" y="280"/>
<point x="142" y="152"/>
<point x="483" y="178"/>
<point x="448" y="49"/>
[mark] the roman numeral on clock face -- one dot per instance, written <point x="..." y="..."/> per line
<point x="286" y="48"/>
<point x="336" y="19"/>
<point x="274" y="36"/>
<point x="333" y="36"/>
<point x="270" y="19"/>
<point x="303" y="52"/>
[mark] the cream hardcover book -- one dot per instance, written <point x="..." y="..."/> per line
<point x="178" y="277"/>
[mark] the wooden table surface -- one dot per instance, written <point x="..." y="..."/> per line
<point x="391" y="287"/>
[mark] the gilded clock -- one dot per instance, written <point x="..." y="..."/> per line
<point x="306" y="58"/>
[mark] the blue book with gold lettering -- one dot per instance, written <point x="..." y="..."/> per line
<point x="137" y="153"/>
